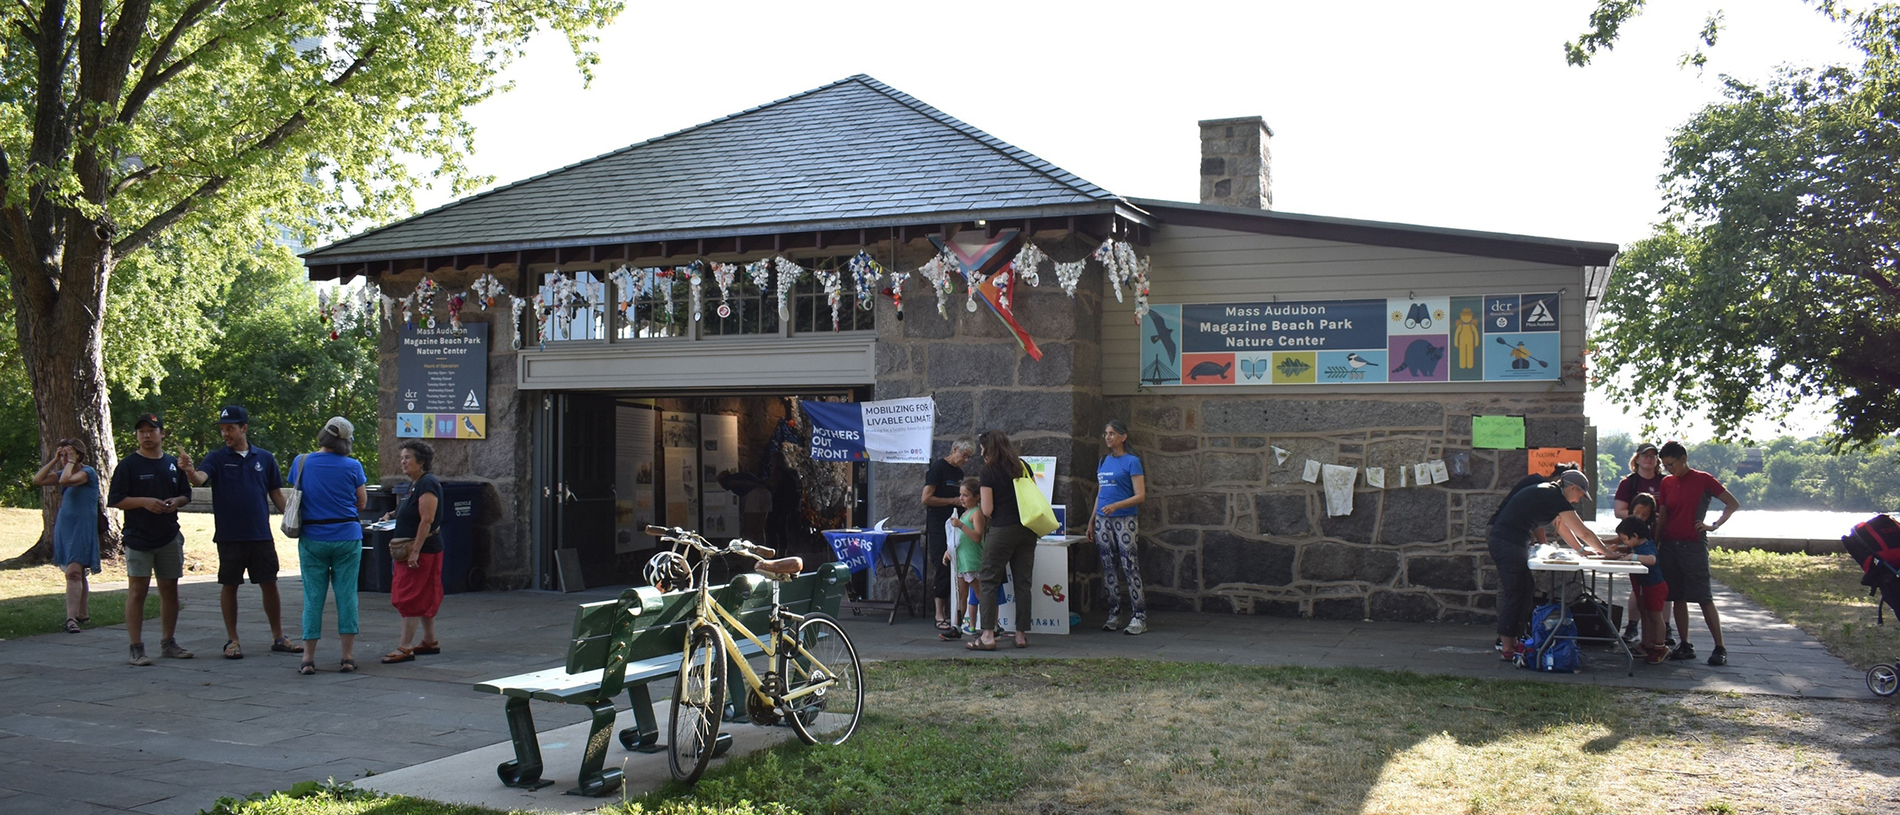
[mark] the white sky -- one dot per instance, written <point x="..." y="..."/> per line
<point x="1459" y="114"/>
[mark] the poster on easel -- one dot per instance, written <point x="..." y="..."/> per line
<point x="718" y="453"/>
<point x="679" y="467"/>
<point x="633" y="478"/>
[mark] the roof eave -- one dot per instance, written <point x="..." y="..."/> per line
<point x="1534" y="249"/>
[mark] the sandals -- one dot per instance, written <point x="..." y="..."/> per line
<point x="307" y="669"/>
<point x="401" y="654"/>
<point x="980" y="645"/>
<point x="944" y="625"/>
<point x="428" y="649"/>
<point x="348" y="666"/>
<point x="72" y="625"/>
<point x="282" y="645"/>
<point x="950" y="634"/>
<point x="1022" y="641"/>
<point x="232" y="650"/>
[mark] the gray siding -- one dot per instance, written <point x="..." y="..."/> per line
<point x="1199" y="265"/>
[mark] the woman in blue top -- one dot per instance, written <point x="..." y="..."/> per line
<point x="76" y="528"/>
<point x="1112" y="527"/>
<point x="330" y="550"/>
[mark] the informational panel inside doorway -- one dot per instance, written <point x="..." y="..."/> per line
<point x="442" y="382"/>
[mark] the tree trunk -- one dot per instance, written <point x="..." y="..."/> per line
<point x="62" y="341"/>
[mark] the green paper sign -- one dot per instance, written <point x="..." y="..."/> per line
<point x="1497" y="432"/>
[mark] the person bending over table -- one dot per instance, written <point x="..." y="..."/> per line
<point x="1523" y="513"/>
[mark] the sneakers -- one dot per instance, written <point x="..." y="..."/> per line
<point x="1136" y="626"/>
<point x="1114" y="623"/>
<point x="1631" y="635"/>
<point x="1655" y="654"/>
<point x="1719" y="656"/>
<point x="1682" y="652"/>
<point x="138" y="657"/>
<point x="170" y="649"/>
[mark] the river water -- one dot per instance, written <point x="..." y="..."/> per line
<point x="1767" y="523"/>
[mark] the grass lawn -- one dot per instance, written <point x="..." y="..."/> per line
<point x="1820" y="594"/>
<point x="1121" y="736"/>
<point x="33" y="598"/>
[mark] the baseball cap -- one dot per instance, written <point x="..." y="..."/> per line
<point x="1645" y="447"/>
<point x="1576" y="478"/>
<point x="341" y="428"/>
<point x="233" y="414"/>
<point x="148" y="418"/>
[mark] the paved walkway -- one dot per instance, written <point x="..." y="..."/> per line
<point x="83" y="732"/>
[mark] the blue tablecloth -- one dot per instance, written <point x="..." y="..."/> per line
<point x="861" y="548"/>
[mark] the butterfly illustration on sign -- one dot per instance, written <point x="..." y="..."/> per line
<point x="1254" y="368"/>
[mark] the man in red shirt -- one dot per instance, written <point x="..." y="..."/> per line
<point x="1682" y="544"/>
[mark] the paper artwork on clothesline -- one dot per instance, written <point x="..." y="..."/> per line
<point x="1279" y="455"/>
<point x="1422" y="473"/>
<point x="1375" y="477"/>
<point x="1337" y="481"/>
<point x="1440" y="473"/>
<point x="1311" y="474"/>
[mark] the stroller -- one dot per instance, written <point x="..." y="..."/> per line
<point x="1875" y="545"/>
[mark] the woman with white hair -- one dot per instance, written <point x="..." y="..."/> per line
<point x="331" y="547"/>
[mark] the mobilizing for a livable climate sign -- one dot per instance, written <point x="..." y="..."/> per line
<point x="894" y="430"/>
<point x="442" y="383"/>
<point x="1473" y="338"/>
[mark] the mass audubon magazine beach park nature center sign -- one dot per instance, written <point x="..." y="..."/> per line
<point x="1497" y="338"/>
<point x="767" y="304"/>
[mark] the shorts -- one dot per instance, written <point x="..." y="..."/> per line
<point x="1685" y="567"/>
<point x="237" y="557"/>
<point x="1653" y="597"/>
<point x="167" y="561"/>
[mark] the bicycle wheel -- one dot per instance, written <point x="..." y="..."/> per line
<point x="1883" y="680"/>
<point x="829" y="714"/>
<point x="699" y="698"/>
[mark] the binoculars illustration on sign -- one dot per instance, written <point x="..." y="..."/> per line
<point x="1418" y="316"/>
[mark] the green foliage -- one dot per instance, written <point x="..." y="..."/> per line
<point x="314" y="792"/>
<point x="1795" y="473"/>
<point x="1776" y="277"/>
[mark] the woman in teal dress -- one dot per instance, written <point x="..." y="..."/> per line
<point x="76" y="528"/>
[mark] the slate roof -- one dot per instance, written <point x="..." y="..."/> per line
<point x="851" y="154"/>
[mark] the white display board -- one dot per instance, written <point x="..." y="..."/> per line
<point x="718" y="453"/>
<point x="633" y="478"/>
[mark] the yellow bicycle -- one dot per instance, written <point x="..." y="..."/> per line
<point x="813" y="678"/>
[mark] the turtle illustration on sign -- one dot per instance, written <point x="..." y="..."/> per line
<point x="1212" y="370"/>
<point x="1421" y="358"/>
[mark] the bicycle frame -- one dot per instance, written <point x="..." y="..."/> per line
<point x="723" y="622"/>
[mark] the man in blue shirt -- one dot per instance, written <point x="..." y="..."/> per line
<point x="245" y="484"/>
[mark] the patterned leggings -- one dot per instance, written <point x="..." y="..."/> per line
<point x="1115" y="542"/>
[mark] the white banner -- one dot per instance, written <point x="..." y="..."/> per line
<point x="899" y="430"/>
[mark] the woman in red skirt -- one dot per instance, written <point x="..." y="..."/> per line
<point x="416" y="584"/>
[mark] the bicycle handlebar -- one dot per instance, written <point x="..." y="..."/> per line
<point x="737" y="546"/>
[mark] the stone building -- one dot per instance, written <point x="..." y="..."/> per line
<point x="858" y="167"/>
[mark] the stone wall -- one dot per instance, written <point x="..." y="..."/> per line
<point x="1226" y="529"/>
<point x="982" y="379"/>
<point x="502" y="535"/>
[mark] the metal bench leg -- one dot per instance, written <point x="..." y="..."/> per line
<point x="525" y="771"/>
<point x="594" y="781"/>
<point x="644" y="735"/>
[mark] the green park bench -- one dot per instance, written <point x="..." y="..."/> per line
<point x="627" y="644"/>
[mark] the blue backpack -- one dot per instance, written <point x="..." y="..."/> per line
<point x="1562" y="655"/>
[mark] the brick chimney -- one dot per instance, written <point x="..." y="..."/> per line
<point x="1236" y="168"/>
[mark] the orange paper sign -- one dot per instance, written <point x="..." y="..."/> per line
<point x="1543" y="459"/>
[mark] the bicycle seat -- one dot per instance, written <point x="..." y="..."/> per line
<point x="784" y="568"/>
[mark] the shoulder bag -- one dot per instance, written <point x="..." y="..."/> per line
<point x="1034" y="509"/>
<point x="292" y="524"/>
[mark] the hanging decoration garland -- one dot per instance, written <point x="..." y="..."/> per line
<point x="760" y="272"/>
<point x="1027" y="260"/>
<point x="515" y="305"/>
<point x="788" y="275"/>
<point x="938" y="271"/>
<point x="693" y="277"/>
<point x="834" y="292"/>
<point x="487" y="290"/>
<point x="426" y="290"/>
<point x="622" y="278"/>
<point x="1069" y="274"/>
<point x="455" y="310"/>
<point x="724" y="274"/>
<point x="865" y="272"/>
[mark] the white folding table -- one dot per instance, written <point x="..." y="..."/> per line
<point x="1583" y="572"/>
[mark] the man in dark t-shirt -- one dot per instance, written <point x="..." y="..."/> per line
<point x="149" y="487"/>
<point x="245" y="484"/>
<point x="940" y="500"/>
